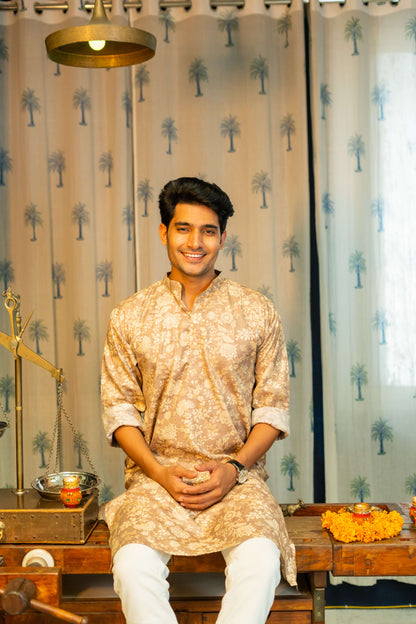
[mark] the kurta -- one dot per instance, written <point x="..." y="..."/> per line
<point x="195" y="382"/>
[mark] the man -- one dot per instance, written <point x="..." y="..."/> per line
<point x="195" y="391"/>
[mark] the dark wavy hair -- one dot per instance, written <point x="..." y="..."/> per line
<point x="194" y="191"/>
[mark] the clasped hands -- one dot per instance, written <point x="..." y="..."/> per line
<point x="202" y="495"/>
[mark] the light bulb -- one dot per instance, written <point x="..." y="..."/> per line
<point x="96" y="45"/>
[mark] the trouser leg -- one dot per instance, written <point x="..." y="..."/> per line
<point x="140" y="580"/>
<point x="252" y="575"/>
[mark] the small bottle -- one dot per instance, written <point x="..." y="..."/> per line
<point x="71" y="494"/>
<point x="412" y="510"/>
<point x="361" y="511"/>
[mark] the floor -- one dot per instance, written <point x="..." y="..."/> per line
<point x="370" y="616"/>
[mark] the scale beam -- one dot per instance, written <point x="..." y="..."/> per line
<point x="14" y="344"/>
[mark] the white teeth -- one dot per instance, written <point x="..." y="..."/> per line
<point x="189" y="255"/>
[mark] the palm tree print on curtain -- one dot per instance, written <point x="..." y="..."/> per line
<point x="5" y="164"/>
<point x="284" y="24"/>
<point x="4" y="52"/>
<point x="81" y="100"/>
<point x="410" y="31"/>
<point x="379" y="97"/>
<point x="410" y="484"/>
<point x="291" y="250"/>
<point x="294" y="355"/>
<point x="58" y="278"/>
<point x="356" y="147"/>
<point x="128" y="220"/>
<point x="327" y="207"/>
<point x="232" y="247"/>
<point x="81" y="448"/>
<point x="80" y="217"/>
<point x="6" y="390"/>
<point x="6" y="273"/>
<point x="106" y="164"/>
<point x="168" y="22"/>
<point x="127" y="106"/>
<point x="380" y="322"/>
<point x="259" y="69"/>
<point x="230" y="127"/>
<point x="326" y="99"/>
<point x="30" y="102"/>
<point x="198" y="73"/>
<point x="33" y="218"/>
<point x="228" y="22"/>
<point x="359" y="377"/>
<point x="144" y="193"/>
<point x="141" y="78"/>
<point x="56" y="162"/>
<point x="104" y="274"/>
<point x="289" y="466"/>
<point x="261" y="183"/>
<point x="381" y="432"/>
<point x="41" y="443"/>
<point x="359" y="488"/>
<point x="357" y="265"/>
<point x="170" y="132"/>
<point x="378" y="210"/>
<point x="81" y="333"/>
<point x="287" y="129"/>
<point x="353" y="32"/>
<point x="38" y="332"/>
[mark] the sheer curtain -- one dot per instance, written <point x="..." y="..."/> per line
<point x="363" y="89"/>
<point x="65" y="189"/>
<point x="84" y="155"/>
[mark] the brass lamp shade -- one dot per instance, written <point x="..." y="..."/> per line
<point x="124" y="45"/>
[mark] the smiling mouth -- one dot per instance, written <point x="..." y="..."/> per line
<point x="193" y="256"/>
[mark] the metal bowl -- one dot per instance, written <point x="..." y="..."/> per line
<point x="3" y="427"/>
<point x="49" y="486"/>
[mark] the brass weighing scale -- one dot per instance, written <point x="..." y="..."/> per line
<point x="37" y="515"/>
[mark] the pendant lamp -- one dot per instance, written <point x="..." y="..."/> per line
<point x="100" y="43"/>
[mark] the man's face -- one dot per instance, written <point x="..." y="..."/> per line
<point x="193" y="241"/>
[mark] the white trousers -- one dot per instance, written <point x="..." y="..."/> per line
<point x="252" y="575"/>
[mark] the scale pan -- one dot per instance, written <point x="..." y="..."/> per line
<point x="3" y="427"/>
<point x="49" y="486"/>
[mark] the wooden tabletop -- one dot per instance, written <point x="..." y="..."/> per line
<point x="316" y="550"/>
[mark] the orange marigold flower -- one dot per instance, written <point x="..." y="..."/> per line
<point x="345" y="528"/>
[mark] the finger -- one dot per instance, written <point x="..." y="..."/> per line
<point x="203" y="466"/>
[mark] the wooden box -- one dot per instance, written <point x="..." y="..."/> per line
<point x="30" y="519"/>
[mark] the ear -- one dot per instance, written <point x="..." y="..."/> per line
<point x="163" y="233"/>
<point x="223" y="237"/>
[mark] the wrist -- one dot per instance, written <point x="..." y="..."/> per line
<point x="240" y="470"/>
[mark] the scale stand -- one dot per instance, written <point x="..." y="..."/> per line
<point x="15" y="344"/>
<point x="37" y="515"/>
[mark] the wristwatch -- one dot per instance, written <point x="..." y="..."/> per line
<point x="242" y="472"/>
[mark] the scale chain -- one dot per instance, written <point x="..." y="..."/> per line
<point x="58" y="432"/>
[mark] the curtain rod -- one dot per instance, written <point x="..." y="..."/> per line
<point x="8" y="5"/>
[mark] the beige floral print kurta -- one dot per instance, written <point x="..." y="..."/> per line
<point x="195" y="382"/>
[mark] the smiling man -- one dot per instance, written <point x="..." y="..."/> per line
<point x="195" y="391"/>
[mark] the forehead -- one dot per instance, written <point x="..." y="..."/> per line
<point x="195" y="214"/>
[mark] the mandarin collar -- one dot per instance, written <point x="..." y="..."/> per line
<point x="176" y="287"/>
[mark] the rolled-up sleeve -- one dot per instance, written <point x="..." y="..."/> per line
<point x="270" y="403"/>
<point x="121" y="393"/>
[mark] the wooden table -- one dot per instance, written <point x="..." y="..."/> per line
<point x="316" y="553"/>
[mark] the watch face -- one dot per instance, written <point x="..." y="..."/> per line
<point x="242" y="476"/>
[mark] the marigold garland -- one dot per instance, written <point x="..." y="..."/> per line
<point x="345" y="528"/>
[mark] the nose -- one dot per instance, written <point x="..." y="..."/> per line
<point x="195" y="238"/>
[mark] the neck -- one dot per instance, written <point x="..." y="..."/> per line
<point x="192" y="286"/>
